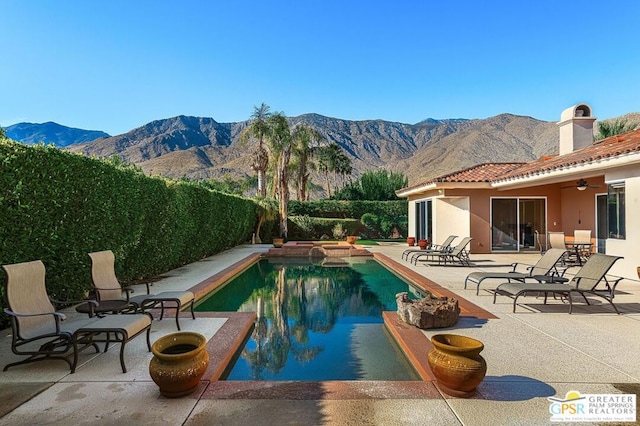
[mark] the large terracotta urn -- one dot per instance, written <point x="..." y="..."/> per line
<point x="411" y="241"/>
<point x="456" y="363"/>
<point x="179" y="362"/>
<point x="278" y="242"/>
<point x="422" y="243"/>
<point x="351" y="239"/>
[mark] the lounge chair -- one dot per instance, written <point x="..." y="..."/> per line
<point x="459" y="254"/>
<point x="112" y="297"/>
<point x="446" y="245"/>
<point x="546" y="265"/>
<point x="40" y="332"/>
<point x="585" y="282"/>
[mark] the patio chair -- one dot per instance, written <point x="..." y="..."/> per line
<point x="112" y="297"/>
<point x="542" y="247"/>
<point x="546" y="265"/>
<point x="585" y="282"/>
<point x="109" y="294"/>
<point x="459" y="254"/>
<point x="40" y="333"/>
<point x="446" y="245"/>
<point x="37" y="329"/>
<point x="580" y="248"/>
<point x="557" y="240"/>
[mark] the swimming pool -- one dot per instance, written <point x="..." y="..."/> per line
<point x="315" y="322"/>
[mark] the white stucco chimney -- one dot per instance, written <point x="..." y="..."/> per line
<point x="576" y="128"/>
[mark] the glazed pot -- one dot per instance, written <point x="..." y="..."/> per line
<point x="278" y="242"/>
<point x="456" y="364"/>
<point x="179" y="362"/>
<point x="411" y="241"/>
<point x="423" y="244"/>
<point x="351" y="239"/>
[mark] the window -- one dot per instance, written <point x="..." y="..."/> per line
<point x="616" y="218"/>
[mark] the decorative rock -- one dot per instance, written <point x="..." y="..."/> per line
<point x="430" y="312"/>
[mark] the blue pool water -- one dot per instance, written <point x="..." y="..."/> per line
<point x="315" y="322"/>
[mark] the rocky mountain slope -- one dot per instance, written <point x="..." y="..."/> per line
<point x="201" y="148"/>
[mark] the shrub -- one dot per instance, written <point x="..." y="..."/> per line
<point x="338" y="231"/>
<point x="371" y="223"/>
<point x="313" y="228"/>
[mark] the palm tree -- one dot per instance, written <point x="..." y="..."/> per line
<point x="280" y="144"/>
<point x="343" y="166"/>
<point x="266" y="209"/>
<point x="303" y="138"/>
<point x="259" y="127"/>
<point x="333" y="160"/>
<point x="614" y="127"/>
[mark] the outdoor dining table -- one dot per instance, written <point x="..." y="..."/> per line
<point x="581" y="251"/>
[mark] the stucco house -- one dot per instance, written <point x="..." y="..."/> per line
<point x="587" y="186"/>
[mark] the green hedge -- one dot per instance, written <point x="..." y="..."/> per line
<point x="313" y="228"/>
<point x="57" y="207"/>
<point x="347" y="209"/>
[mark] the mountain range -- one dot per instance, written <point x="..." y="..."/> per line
<point x="202" y="148"/>
<point x="50" y="132"/>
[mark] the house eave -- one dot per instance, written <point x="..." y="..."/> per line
<point x="561" y="174"/>
<point x="431" y="186"/>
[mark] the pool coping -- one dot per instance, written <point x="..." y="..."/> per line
<point x="227" y="343"/>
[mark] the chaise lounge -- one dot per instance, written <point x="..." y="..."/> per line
<point x="585" y="282"/>
<point x="546" y="265"/>
<point x="445" y="246"/>
<point x="459" y="254"/>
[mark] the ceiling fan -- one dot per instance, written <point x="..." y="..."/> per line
<point x="581" y="185"/>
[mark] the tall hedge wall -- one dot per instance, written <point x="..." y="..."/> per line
<point x="57" y="207"/>
<point x="347" y="209"/>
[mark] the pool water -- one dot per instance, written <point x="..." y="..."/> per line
<point x="316" y="322"/>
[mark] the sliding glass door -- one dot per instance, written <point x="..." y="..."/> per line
<point x="514" y="222"/>
<point x="423" y="220"/>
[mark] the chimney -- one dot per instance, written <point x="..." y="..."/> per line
<point x="576" y="128"/>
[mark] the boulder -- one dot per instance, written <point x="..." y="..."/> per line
<point x="430" y="312"/>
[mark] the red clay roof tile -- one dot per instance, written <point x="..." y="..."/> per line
<point x="613" y="146"/>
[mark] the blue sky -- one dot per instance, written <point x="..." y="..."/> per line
<point x="116" y="65"/>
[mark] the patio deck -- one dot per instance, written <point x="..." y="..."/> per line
<point x="530" y="356"/>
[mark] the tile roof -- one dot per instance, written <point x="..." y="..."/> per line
<point x="486" y="172"/>
<point x="613" y="146"/>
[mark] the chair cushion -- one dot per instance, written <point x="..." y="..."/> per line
<point x="183" y="296"/>
<point x="131" y="324"/>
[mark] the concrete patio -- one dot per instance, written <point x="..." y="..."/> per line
<point x="538" y="352"/>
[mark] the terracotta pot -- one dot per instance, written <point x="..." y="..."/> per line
<point x="411" y="241"/>
<point x="278" y="242"/>
<point x="638" y="271"/>
<point x="351" y="239"/>
<point x="423" y="244"/>
<point x="179" y="362"/>
<point x="456" y="363"/>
